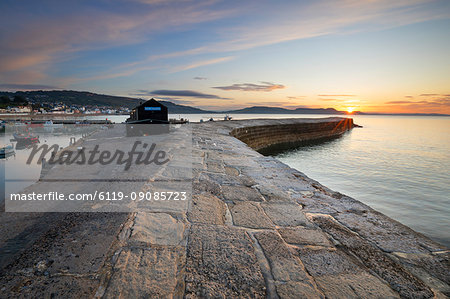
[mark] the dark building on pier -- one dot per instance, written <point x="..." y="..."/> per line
<point x="150" y="112"/>
<point x="149" y="118"/>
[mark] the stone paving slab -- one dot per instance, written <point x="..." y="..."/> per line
<point x="285" y="214"/>
<point x="328" y="261"/>
<point x="64" y="261"/>
<point x="221" y="263"/>
<point x="286" y="267"/>
<point x="157" y="229"/>
<point x="241" y="193"/>
<point x="361" y="285"/>
<point x="250" y="214"/>
<point x="387" y="234"/>
<point x="400" y="280"/>
<point x="156" y="271"/>
<point x="304" y="236"/>
<point x="207" y="209"/>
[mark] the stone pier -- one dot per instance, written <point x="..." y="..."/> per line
<point x="255" y="228"/>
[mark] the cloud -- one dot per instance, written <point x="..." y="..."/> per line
<point x="301" y="20"/>
<point x="200" y="63"/>
<point x="296" y="97"/>
<point x="437" y="103"/>
<point x="179" y="101"/>
<point x="200" y="78"/>
<point x="24" y="87"/>
<point x="399" y="102"/>
<point x="264" y="86"/>
<point x="63" y="31"/>
<point x="281" y="104"/>
<point x="337" y="95"/>
<point x="333" y="100"/>
<point x="46" y="39"/>
<point x="179" y="93"/>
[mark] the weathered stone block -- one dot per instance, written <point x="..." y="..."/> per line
<point x="148" y="273"/>
<point x="284" y="264"/>
<point x="157" y="229"/>
<point x="231" y="171"/>
<point x="272" y="193"/>
<point x="221" y="263"/>
<point x="207" y="209"/>
<point x="241" y="193"/>
<point x="361" y="285"/>
<point x="250" y="214"/>
<point x="327" y="262"/>
<point x="386" y="233"/>
<point x="215" y="167"/>
<point x="296" y="289"/>
<point x="285" y="214"/>
<point x="206" y="186"/>
<point x="401" y="280"/>
<point x="304" y="236"/>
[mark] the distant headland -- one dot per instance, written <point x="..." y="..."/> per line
<point x="50" y="99"/>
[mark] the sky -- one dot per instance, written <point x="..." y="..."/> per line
<point x="367" y="55"/>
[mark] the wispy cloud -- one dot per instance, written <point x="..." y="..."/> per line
<point x="333" y="100"/>
<point x="179" y="93"/>
<point x="281" y="104"/>
<point x="200" y="63"/>
<point x="428" y="103"/>
<point x="337" y="95"/>
<point x="442" y="102"/>
<point x="22" y="87"/>
<point x="42" y="42"/>
<point x="179" y="101"/>
<point x="404" y="102"/>
<point x="264" y="86"/>
<point x="200" y="78"/>
<point x="307" y="20"/>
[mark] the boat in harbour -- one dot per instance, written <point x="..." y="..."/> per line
<point x="51" y="124"/>
<point x="23" y="138"/>
<point x="6" y="151"/>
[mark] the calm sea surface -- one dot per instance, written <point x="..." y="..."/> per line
<point x="398" y="165"/>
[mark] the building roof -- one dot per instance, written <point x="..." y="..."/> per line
<point x="151" y="102"/>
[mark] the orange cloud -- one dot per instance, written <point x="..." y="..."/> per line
<point x="264" y="86"/>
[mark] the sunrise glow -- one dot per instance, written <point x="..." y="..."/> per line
<point x="228" y="55"/>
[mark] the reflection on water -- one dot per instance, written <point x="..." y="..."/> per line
<point x="13" y="168"/>
<point x="396" y="164"/>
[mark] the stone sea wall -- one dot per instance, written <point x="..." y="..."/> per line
<point x="254" y="228"/>
<point x="290" y="133"/>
